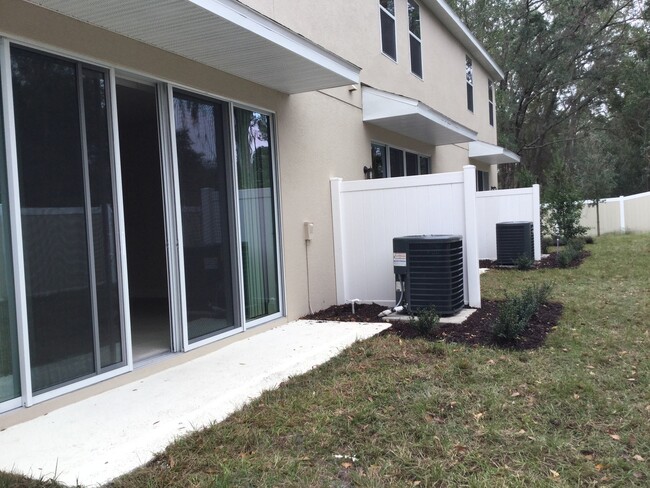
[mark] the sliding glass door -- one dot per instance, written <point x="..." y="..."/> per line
<point x="257" y="222"/>
<point x="203" y="181"/>
<point x="9" y="366"/>
<point x="67" y="216"/>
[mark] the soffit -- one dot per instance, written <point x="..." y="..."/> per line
<point x="491" y="154"/>
<point x="223" y="34"/>
<point x="412" y="118"/>
<point x="452" y="22"/>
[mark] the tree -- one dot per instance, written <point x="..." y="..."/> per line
<point x="563" y="60"/>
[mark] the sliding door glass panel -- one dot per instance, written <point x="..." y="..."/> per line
<point x="103" y="216"/>
<point x="378" y="155"/>
<point x="411" y="164"/>
<point x="53" y="213"/>
<point x="396" y="162"/>
<point x="9" y="367"/>
<point x="256" y="194"/>
<point x="200" y="140"/>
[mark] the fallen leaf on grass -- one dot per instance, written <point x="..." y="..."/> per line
<point x="555" y="474"/>
<point x="346" y="465"/>
<point x="477" y="416"/>
<point x="616" y="437"/>
<point x="599" y="467"/>
<point x="637" y="457"/>
<point x="516" y="394"/>
<point x="576" y="396"/>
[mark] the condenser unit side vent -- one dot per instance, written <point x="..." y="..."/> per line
<point x="514" y="240"/>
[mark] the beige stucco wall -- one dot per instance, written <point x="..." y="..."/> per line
<point x="352" y="30"/>
<point x="321" y="134"/>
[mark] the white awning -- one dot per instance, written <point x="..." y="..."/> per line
<point x="491" y="154"/>
<point x="412" y="118"/>
<point x="223" y="34"/>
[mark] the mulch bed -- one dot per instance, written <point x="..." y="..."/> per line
<point x="475" y="331"/>
<point x="546" y="262"/>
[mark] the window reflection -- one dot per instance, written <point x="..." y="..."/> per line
<point x="257" y="213"/>
<point x="204" y="206"/>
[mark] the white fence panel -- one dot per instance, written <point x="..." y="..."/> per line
<point x="368" y="214"/>
<point x="620" y="214"/>
<point x="493" y="207"/>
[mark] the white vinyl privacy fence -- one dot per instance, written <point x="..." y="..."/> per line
<point x="622" y="214"/>
<point x="493" y="207"/>
<point x="368" y="214"/>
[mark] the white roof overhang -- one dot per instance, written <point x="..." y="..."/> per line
<point x="452" y="22"/>
<point x="223" y="34"/>
<point x="412" y="118"/>
<point x="491" y="154"/>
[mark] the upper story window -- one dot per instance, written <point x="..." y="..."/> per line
<point x="391" y="162"/>
<point x="387" y="18"/>
<point x="415" y="38"/>
<point x="491" y="102"/>
<point x="469" y="78"/>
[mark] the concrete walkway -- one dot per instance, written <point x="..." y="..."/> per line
<point x="95" y="440"/>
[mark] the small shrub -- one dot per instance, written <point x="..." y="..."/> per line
<point x="566" y="256"/>
<point x="524" y="262"/>
<point x="517" y="310"/>
<point x="427" y="320"/>
<point x="577" y="243"/>
<point x="589" y="240"/>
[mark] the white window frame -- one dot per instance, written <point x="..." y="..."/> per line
<point x="413" y="37"/>
<point x="386" y="166"/>
<point x="469" y="82"/>
<point x="393" y="16"/>
<point x="491" y="107"/>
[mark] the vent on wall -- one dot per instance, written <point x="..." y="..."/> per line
<point x="514" y="239"/>
<point x="431" y="270"/>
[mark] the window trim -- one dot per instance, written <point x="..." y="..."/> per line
<point x="387" y="162"/>
<point x="469" y="82"/>
<point x="491" y="105"/>
<point x="393" y="17"/>
<point x="413" y="37"/>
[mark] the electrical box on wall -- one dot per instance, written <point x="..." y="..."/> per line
<point x="308" y="230"/>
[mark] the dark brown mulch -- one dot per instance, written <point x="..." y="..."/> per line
<point x="546" y="262"/>
<point x="343" y="313"/>
<point x="475" y="331"/>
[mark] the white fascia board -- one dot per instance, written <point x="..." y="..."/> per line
<point x="223" y="34"/>
<point x="491" y="154"/>
<point x="412" y="118"/>
<point x="459" y="30"/>
<point x="255" y="22"/>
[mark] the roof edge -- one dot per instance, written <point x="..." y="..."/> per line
<point x="452" y="22"/>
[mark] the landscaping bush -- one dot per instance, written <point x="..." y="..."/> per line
<point x="524" y="262"/>
<point x="563" y="205"/>
<point x="516" y="311"/>
<point x="589" y="240"/>
<point x="566" y="256"/>
<point x="577" y="243"/>
<point x="427" y="320"/>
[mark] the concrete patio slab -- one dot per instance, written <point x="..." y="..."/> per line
<point x="95" y="440"/>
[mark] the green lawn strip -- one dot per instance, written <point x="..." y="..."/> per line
<point x="391" y="412"/>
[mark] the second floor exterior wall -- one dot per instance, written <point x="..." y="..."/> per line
<point x="352" y="30"/>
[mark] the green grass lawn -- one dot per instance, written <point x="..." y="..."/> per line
<point x="391" y="412"/>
